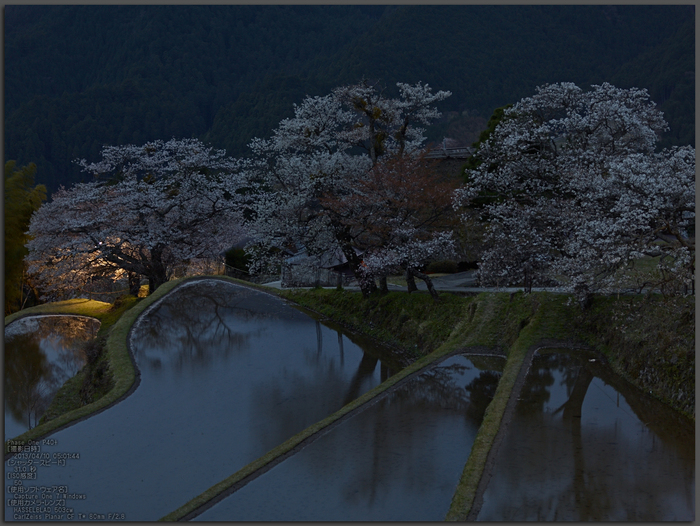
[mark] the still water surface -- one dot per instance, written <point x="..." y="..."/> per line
<point x="41" y="353"/>
<point x="227" y="373"/>
<point x="398" y="460"/>
<point x="584" y="445"/>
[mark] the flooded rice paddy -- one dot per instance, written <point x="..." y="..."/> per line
<point x="584" y="445"/>
<point x="41" y="353"/>
<point x="228" y="373"/>
<point x="399" y="459"/>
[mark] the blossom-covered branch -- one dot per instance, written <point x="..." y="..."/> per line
<point x="576" y="192"/>
<point x="149" y="208"/>
<point x="322" y="155"/>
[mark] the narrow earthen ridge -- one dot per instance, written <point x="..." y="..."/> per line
<point x="250" y="472"/>
<point x="122" y="363"/>
<point x="473" y="511"/>
<point x="127" y="376"/>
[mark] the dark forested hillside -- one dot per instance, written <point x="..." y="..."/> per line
<point x="668" y="72"/>
<point x="489" y="56"/>
<point x="78" y="77"/>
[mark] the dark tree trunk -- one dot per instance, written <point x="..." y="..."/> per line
<point x="692" y="280"/>
<point x="383" y="287"/>
<point x="428" y="283"/>
<point x="366" y="283"/>
<point x="585" y="300"/>
<point x="527" y="282"/>
<point x="584" y="296"/>
<point x="158" y="272"/>
<point x="134" y="283"/>
<point x="155" y="281"/>
<point x="410" y="281"/>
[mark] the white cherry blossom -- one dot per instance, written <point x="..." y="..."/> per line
<point x="149" y="208"/>
<point x="328" y="147"/>
<point x="577" y="192"/>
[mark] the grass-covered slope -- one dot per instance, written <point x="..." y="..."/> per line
<point x="648" y="340"/>
<point x="79" y="307"/>
<point x="114" y="330"/>
<point x="506" y="323"/>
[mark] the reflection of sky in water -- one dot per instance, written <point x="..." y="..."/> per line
<point x="599" y="462"/>
<point x="556" y="396"/>
<point x="41" y="353"/>
<point x="226" y="374"/>
<point x="399" y="459"/>
<point x="605" y="407"/>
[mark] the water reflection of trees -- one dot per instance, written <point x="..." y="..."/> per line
<point x="406" y="419"/>
<point x="41" y="353"/>
<point x="586" y="493"/>
<point x="536" y="389"/>
<point x="71" y="329"/>
<point x="365" y="371"/>
<point x="672" y="427"/>
<point x="396" y="441"/>
<point x="26" y="367"/>
<point x="321" y="384"/>
<point x="199" y="323"/>
<point x="554" y="467"/>
<point x="481" y="391"/>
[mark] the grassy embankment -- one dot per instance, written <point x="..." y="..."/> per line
<point x="416" y="340"/>
<point x="68" y="396"/>
<point x="648" y="340"/>
<point x="425" y="331"/>
<point x="116" y="320"/>
<point x="111" y="375"/>
<point x="507" y="323"/>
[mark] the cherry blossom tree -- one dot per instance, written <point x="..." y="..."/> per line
<point x="149" y="208"/>
<point x="575" y="191"/>
<point x="401" y="213"/>
<point x="410" y="249"/>
<point x="326" y="149"/>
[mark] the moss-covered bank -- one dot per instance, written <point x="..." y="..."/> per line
<point x="116" y="321"/>
<point x="80" y="307"/>
<point x="653" y="335"/>
<point x="649" y="340"/>
<point x="95" y="379"/>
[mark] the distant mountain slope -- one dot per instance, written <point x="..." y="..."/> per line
<point x="668" y="72"/>
<point x="489" y="56"/>
<point x="78" y="77"/>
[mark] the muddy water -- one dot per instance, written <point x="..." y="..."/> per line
<point x="585" y="445"/>
<point x="227" y="373"/>
<point x="41" y="353"/>
<point x="400" y="459"/>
